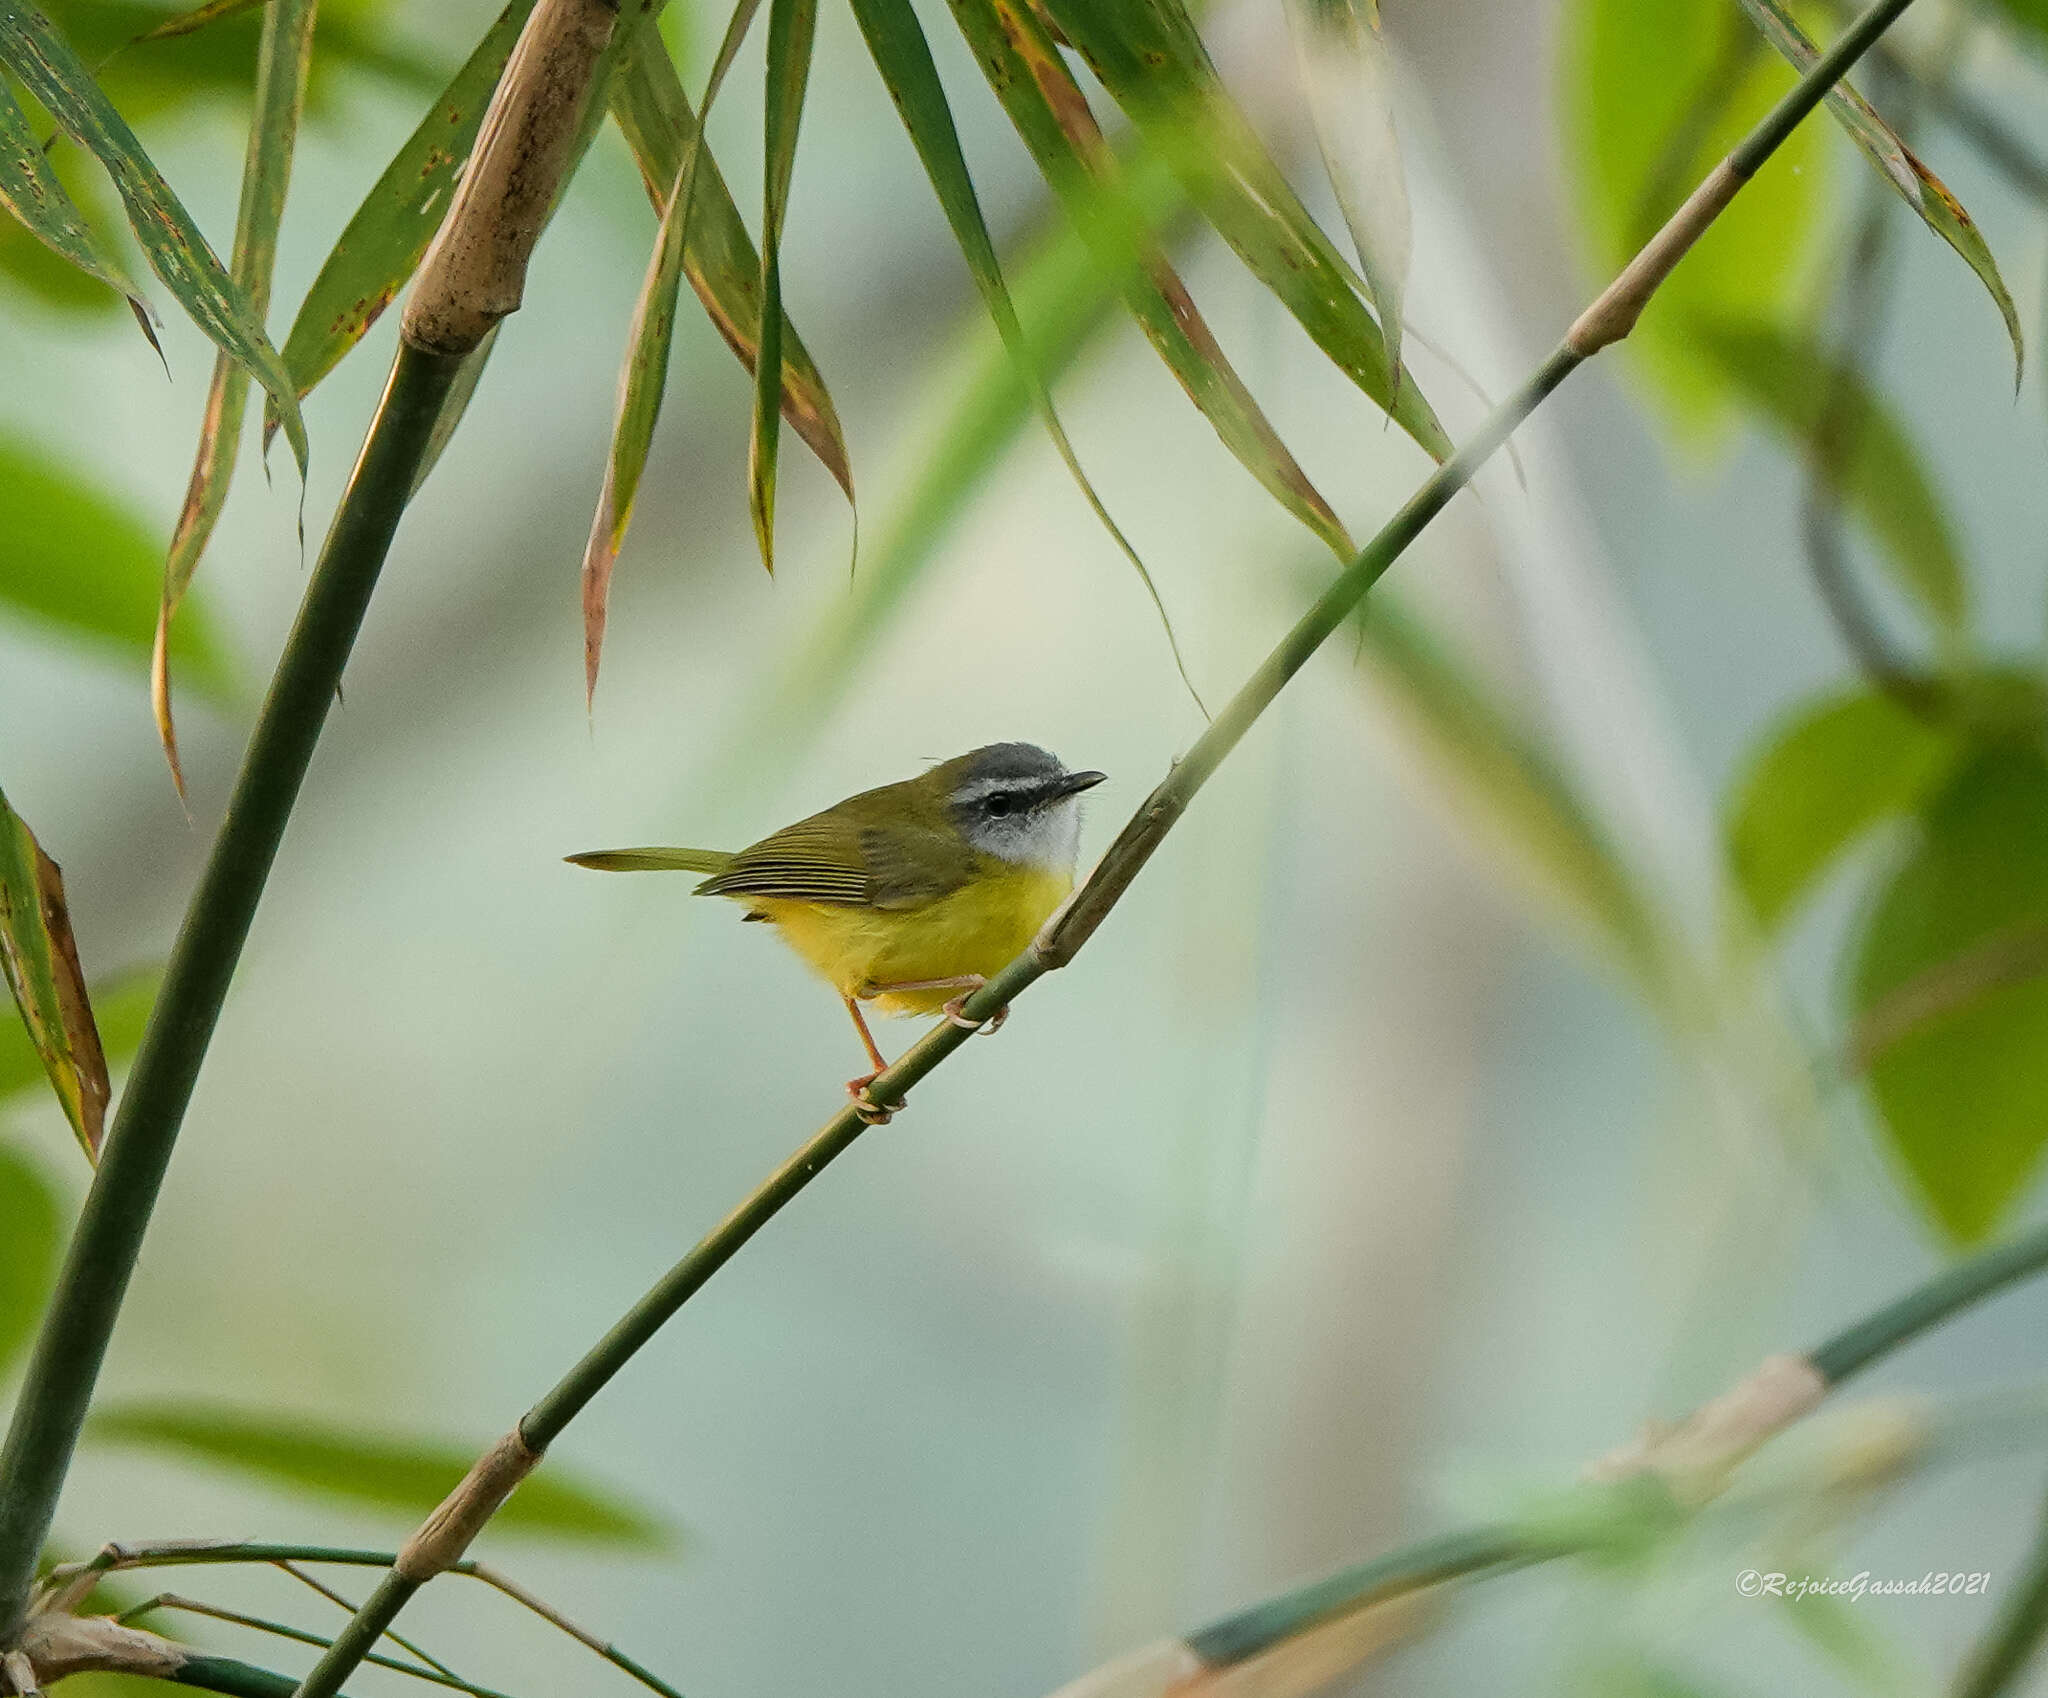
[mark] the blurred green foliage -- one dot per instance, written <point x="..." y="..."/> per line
<point x="74" y="558"/>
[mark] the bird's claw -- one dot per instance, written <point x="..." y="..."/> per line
<point x="872" y="1112"/>
<point x="956" y="1011"/>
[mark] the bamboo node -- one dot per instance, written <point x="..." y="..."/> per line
<point x="442" y="1538"/>
<point x="1694" y="1456"/>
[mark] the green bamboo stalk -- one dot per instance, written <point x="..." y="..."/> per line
<point x="236" y="1679"/>
<point x="1609" y="319"/>
<point x="80" y="1321"/>
<point x="1995" y="1667"/>
<point x="1481" y="1552"/>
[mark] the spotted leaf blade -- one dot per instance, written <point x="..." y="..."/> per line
<point x="1919" y="187"/>
<point x="54" y="74"/>
<point x="40" y="961"/>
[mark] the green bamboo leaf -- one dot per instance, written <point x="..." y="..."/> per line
<point x="1653" y="96"/>
<point x="719" y="257"/>
<point x="1347" y="75"/>
<point x="1827" y="776"/>
<point x="792" y="25"/>
<point x="77" y="562"/>
<point x="177" y="252"/>
<point x="120" y="1008"/>
<point x="40" y="962"/>
<point x="1961" y="1094"/>
<point x="903" y="56"/>
<point x="1150" y="57"/>
<point x="282" y="62"/>
<point x="645" y="374"/>
<point x="30" y="190"/>
<point x="404" y="1474"/>
<point x="28" y="1251"/>
<point x="1114" y="212"/>
<point x="1864" y="454"/>
<point x="1507" y="792"/>
<point x="383" y="242"/>
<point x="1917" y="186"/>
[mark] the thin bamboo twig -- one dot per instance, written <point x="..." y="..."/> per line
<point x="470" y="280"/>
<point x="314" y="1583"/>
<point x="300" y="1636"/>
<point x="73" y="1580"/>
<point x="80" y="1320"/>
<point x="1609" y="319"/>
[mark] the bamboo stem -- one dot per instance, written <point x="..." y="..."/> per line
<point x="1613" y="314"/>
<point x="80" y="1320"/>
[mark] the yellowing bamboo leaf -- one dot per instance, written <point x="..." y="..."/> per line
<point x="40" y="962"/>
<point x="719" y="258"/>
<point x="645" y="373"/>
<point x="1108" y="207"/>
<point x="1917" y="186"/>
<point x="52" y="72"/>
<point x="282" y="61"/>
<point x="792" y="25"/>
<point x="1151" y="59"/>
<point x="383" y="242"/>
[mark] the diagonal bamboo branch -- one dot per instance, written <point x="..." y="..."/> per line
<point x="1607" y="320"/>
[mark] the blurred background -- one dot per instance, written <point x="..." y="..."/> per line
<point x="1337" y="1195"/>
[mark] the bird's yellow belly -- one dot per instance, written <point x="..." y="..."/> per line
<point x="979" y="928"/>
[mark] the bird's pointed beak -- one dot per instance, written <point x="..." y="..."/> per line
<point x="1075" y="782"/>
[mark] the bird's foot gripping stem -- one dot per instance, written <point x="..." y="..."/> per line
<point x="874" y="1113"/>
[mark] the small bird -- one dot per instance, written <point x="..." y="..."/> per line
<point x="909" y="896"/>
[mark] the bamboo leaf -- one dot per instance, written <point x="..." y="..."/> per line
<point x="1917" y="186"/>
<point x="1824" y="779"/>
<point x="1962" y="1096"/>
<point x="40" y="962"/>
<point x="120" y="1008"/>
<point x="1347" y="75"/>
<point x="74" y="560"/>
<point x="404" y="1474"/>
<point x="719" y="257"/>
<point x="1863" y="453"/>
<point x="29" y="189"/>
<point x="1151" y="59"/>
<point x="1111" y="209"/>
<point x="177" y="252"/>
<point x="1653" y="95"/>
<point x="28" y="1251"/>
<point x="282" y="61"/>
<point x="645" y="374"/>
<point x="897" y="43"/>
<point x="383" y="242"/>
<point x="792" y="25"/>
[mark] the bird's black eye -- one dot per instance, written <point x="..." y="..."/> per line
<point x="999" y="805"/>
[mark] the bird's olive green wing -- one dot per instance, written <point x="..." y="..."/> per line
<point x="816" y="860"/>
<point x="857" y="855"/>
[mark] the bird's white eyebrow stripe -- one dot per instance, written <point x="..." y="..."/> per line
<point x="980" y="789"/>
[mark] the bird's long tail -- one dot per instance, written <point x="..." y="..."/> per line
<point x="653" y="860"/>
